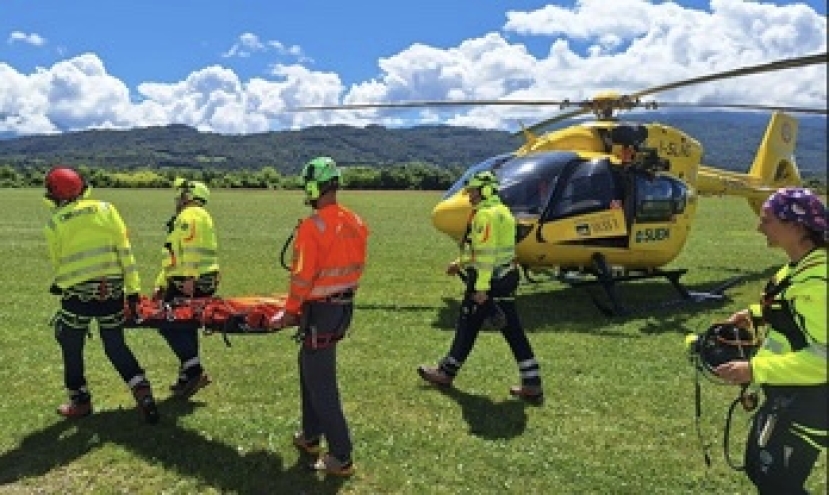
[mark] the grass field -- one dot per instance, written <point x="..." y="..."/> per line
<point x="619" y="416"/>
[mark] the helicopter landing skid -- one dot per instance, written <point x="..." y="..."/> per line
<point x="605" y="278"/>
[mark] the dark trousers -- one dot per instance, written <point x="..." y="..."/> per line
<point x="72" y="327"/>
<point x="471" y="319"/>
<point x="321" y="407"/>
<point x="183" y="340"/>
<point x="786" y="460"/>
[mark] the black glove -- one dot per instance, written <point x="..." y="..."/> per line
<point x="55" y="290"/>
<point x="132" y="304"/>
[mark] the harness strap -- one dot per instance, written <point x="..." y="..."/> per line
<point x="99" y="290"/>
<point x="71" y="320"/>
<point x="727" y="432"/>
<point x="315" y="341"/>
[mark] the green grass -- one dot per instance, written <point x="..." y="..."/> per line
<point x="619" y="417"/>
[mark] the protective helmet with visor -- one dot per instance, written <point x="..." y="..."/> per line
<point x="190" y="190"/>
<point x="722" y="343"/>
<point x="319" y="176"/>
<point x="486" y="182"/>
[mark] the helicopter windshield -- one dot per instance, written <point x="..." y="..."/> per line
<point x="528" y="181"/>
<point x="490" y="164"/>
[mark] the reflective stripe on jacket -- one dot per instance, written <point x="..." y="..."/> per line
<point x="87" y="240"/>
<point x="776" y="363"/>
<point x="491" y="241"/>
<point x="191" y="248"/>
<point x="329" y="255"/>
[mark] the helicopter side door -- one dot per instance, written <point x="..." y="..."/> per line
<point x="587" y="206"/>
<point x="661" y="217"/>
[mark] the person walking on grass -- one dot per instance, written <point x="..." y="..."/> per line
<point x="791" y="427"/>
<point x="329" y="255"/>
<point x="95" y="275"/>
<point x="491" y="277"/>
<point x="189" y="268"/>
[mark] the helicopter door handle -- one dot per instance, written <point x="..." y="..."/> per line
<point x="538" y="234"/>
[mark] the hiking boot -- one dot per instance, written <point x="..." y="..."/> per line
<point x="187" y="387"/>
<point x="75" y="408"/>
<point x="146" y="403"/>
<point x="310" y="447"/>
<point x="529" y="393"/>
<point x="333" y="466"/>
<point x="435" y="376"/>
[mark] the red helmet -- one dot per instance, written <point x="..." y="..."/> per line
<point x="64" y="184"/>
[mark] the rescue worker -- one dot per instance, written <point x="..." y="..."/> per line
<point x="487" y="266"/>
<point x="329" y="255"/>
<point x="189" y="269"/>
<point x="790" y="429"/>
<point x="95" y="274"/>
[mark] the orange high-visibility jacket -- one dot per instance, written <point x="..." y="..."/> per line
<point x="329" y="255"/>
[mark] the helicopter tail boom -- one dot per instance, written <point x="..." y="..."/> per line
<point x="773" y="167"/>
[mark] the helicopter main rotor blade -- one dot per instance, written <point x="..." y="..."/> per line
<point x="789" y="63"/>
<point x="428" y="104"/>
<point x="809" y="110"/>
<point x="552" y="120"/>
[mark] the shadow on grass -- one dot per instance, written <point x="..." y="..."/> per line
<point x="486" y="418"/>
<point x="178" y="450"/>
<point x="551" y="304"/>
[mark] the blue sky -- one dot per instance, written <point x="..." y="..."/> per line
<point x="235" y="66"/>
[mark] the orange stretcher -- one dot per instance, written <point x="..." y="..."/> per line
<point x="225" y="315"/>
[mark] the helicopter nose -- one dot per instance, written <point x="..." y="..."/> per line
<point x="450" y="216"/>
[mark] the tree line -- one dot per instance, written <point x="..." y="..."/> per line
<point x="413" y="176"/>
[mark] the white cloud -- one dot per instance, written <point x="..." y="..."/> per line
<point x="33" y="39"/>
<point x="249" y="44"/>
<point x="624" y="45"/>
<point x="212" y="99"/>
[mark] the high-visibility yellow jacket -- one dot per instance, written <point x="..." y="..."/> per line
<point x="191" y="248"/>
<point x="87" y="240"/>
<point x="490" y="244"/>
<point x="804" y="300"/>
<point x="329" y="256"/>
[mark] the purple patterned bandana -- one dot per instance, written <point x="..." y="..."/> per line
<point x="795" y="204"/>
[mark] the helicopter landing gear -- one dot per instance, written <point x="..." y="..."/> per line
<point x="607" y="279"/>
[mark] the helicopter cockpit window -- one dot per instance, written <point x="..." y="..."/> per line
<point x="659" y="198"/>
<point x="528" y="181"/>
<point x="490" y="164"/>
<point x="680" y="196"/>
<point x="590" y="186"/>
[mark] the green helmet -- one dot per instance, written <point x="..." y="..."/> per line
<point x="486" y="181"/>
<point x="191" y="189"/>
<point x="320" y="170"/>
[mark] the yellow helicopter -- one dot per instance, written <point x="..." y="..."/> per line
<point x="609" y="201"/>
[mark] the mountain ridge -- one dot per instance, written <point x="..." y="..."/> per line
<point x="730" y="140"/>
